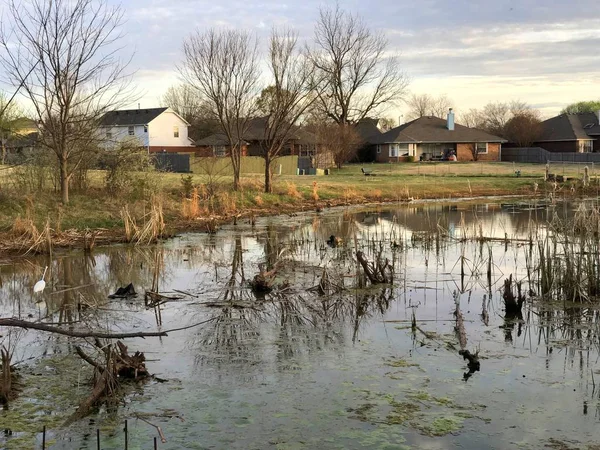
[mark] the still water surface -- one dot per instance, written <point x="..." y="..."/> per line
<point x="299" y="369"/>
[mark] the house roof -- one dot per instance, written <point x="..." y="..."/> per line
<point x="570" y="127"/>
<point x="127" y="117"/>
<point x="256" y="132"/>
<point x="216" y="139"/>
<point x="367" y="129"/>
<point x="433" y="130"/>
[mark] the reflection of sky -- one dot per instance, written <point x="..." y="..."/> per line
<point x="279" y="380"/>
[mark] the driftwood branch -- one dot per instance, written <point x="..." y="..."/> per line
<point x="92" y="334"/>
<point x="88" y="359"/>
<point x="162" y="436"/>
<point x="81" y="334"/>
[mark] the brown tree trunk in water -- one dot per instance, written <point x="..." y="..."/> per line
<point x="64" y="181"/>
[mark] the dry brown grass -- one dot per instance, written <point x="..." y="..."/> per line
<point x="259" y="200"/>
<point x="292" y="191"/>
<point x="190" y="207"/>
<point x="227" y="203"/>
<point x="315" y="192"/>
<point x="350" y="195"/>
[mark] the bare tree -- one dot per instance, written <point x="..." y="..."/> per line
<point x="287" y="98"/>
<point x="63" y="53"/>
<point x="342" y="141"/>
<point x="360" y="75"/>
<point x="472" y="118"/>
<point x="186" y="101"/>
<point x="524" y="128"/>
<point x="420" y="105"/>
<point x="495" y="116"/>
<point x="223" y="67"/>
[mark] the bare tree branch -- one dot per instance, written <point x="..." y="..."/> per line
<point x="222" y="66"/>
<point x="361" y="77"/>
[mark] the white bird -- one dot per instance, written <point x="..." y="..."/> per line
<point x="40" y="285"/>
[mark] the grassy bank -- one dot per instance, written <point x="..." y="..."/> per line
<point x="95" y="207"/>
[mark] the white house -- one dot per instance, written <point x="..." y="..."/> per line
<point x="157" y="129"/>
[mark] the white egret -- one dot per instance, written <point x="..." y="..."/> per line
<point x="40" y="285"/>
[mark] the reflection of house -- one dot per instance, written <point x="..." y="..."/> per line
<point x="571" y="133"/>
<point x="430" y="138"/>
<point x="301" y="143"/>
<point x="157" y="129"/>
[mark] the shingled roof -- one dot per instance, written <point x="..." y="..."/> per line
<point x="570" y="127"/>
<point x="433" y="130"/>
<point x="256" y="132"/>
<point x="367" y="129"/>
<point x="126" y="117"/>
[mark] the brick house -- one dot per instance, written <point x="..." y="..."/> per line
<point x="431" y="138"/>
<point x="572" y="133"/>
<point x="301" y="143"/>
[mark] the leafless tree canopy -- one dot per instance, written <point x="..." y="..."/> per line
<point x="187" y="102"/>
<point x="472" y="119"/>
<point x="222" y="66"/>
<point x="64" y="55"/>
<point x="360" y="76"/>
<point x="420" y="105"/>
<point x="341" y="140"/>
<point x="290" y="94"/>
<point x="524" y="128"/>
<point x="493" y="117"/>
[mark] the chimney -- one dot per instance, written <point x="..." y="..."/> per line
<point x="400" y="119"/>
<point x="599" y="116"/>
<point x="450" y="122"/>
<point x="138" y="106"/>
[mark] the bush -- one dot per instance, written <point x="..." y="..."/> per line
<point x="128" y="172"/>
<point x="410" y="159"/>
<point x="187" y="185"/>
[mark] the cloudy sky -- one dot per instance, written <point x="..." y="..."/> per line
<point x="544" y="52"/>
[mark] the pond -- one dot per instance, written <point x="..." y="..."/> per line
<point x="326" y="359"/>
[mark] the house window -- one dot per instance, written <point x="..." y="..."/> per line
<point x="175" y="132"/>
<point x="306" y="150"/>
<point x="585" y="146"/>
<point x="145" y="128"/>
<point x="131" y="131"/>
<point x="393" y="150"/>
<point x="379" y="149"/>
<point x="219" y="150"/>
<point x="482" y="147"/>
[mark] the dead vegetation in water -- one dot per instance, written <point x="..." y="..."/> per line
<point x="114" y="366"/>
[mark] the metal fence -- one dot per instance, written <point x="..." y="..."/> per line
<point x="172" y="162"/>
<point x="538" y="155"/>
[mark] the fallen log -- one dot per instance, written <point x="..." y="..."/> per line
<point x="6" y="322"/>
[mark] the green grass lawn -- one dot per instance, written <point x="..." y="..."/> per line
<point x="94" y="207"/>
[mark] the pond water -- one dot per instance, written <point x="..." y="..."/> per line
<point x="302" y="369"/>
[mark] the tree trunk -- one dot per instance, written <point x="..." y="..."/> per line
<point x="3" y="151"/>
<point x="268" y="185"/>
<point x="64" y="181"/>
<point x="236" y="163"/>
